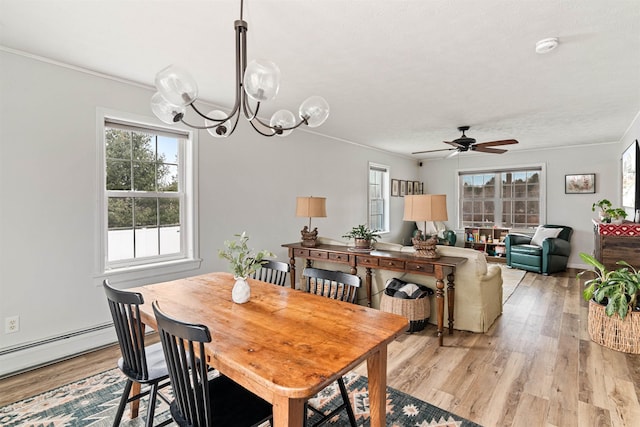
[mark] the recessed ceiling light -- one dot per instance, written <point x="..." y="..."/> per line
<point x="546" y="45"/>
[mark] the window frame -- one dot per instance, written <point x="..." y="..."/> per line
<point x="498" y="198"/>
<point x="133" y="269"/>
<point x="386" y="196"/>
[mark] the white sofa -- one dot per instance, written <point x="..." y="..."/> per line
<point x="478" y="285"/>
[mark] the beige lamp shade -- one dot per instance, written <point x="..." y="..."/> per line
<point x="311" y="207"/>
<point x="425" y="207"/>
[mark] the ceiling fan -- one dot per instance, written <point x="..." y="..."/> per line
<point x="464" y="143"/>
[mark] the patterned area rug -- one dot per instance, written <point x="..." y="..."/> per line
<point x="511" y="278"/>
<point x="93" y="402"/>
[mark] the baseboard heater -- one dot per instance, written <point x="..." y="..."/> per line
<point x="32" y="355"/>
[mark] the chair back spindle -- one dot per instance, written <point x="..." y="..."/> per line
<point x="332" y="284"/>
<point x="275" y="272"/>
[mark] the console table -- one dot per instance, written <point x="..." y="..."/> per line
<point x="615" y="242"/>
<point x="385" y="260"/>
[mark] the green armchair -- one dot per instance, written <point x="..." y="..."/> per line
<point x="541" y="253"/>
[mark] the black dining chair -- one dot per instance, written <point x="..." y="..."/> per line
<point x="332" y="284"/>
<point x="200" y="400"/>
<point x="340" y="286"/>
<point x="139" y="363"/>
<point x="275" y="272"/>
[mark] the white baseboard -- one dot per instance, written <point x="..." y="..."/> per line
<point x="39" y="354"/>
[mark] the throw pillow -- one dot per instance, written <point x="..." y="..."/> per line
<point x="544" y="233"/>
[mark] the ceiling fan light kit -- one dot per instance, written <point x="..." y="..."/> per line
<point x="546" y="45"/>
<point x="465" y="143"/>
<point x="258" y="80"/>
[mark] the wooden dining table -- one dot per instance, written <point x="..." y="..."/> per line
<point x="284" y="345"/>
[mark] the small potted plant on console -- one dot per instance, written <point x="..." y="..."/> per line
<point x="602" y="205"/>
<point x="363" y="237"/>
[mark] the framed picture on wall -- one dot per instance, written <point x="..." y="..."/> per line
<point x="409" y="188"/>
<point x="395" y="187"/>
<point x="580" y="184"/>
<point x="403" y="188"/>
<point x="417" y="188"/>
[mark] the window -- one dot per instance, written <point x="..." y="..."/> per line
<point x="147" y="209"/>
<point x="509" y="198"/>
<point x="378" y="197"/>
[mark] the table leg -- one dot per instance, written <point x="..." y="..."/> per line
<point x="368" y="281"/>
<point x="292" y="266"/>
<point x="288" y="412"/>
<point x="451" y="298"/>
<point x="440" y="301"/>
<point x="377" y="374"/>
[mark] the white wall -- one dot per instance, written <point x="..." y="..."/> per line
<point x="440" y="176"/>
<point x="48" y="205"/>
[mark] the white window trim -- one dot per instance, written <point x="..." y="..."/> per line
<point x="387" y="186"/>
<point x="132" y="273"/>
<point x="543" y="190"/>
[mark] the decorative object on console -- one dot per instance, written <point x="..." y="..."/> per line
<point x="603" y="205"/>
<point x="243" y="262"/>
<point x="425" y="207"/>
<point x="617" y="215"/>
<point x="363" y="237"/>
<point x="259" y="80"/>
<point x="310" y="207"/>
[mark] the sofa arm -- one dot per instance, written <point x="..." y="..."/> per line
<point x="556" y="246"/>
<point x="493" y="270"/>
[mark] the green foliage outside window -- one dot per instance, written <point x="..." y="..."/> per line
<point x="134" y="162"/>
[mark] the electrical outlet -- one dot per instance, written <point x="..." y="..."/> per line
<point x="11" y="324"/>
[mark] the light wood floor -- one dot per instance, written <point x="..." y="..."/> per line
<point x="535" y="367"/>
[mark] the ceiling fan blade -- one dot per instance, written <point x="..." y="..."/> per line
<point x="433" y="151"/>
<point x="455" y="144"/>
<point x="496" y="143"/>
<point x="487" y="149"/>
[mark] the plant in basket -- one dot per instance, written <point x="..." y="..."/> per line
<point x="616" y="289"/>
<point x="614" y="315"/>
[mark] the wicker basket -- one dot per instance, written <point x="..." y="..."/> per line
<point x="416" y="310"/>
<point x="613" y="332"/>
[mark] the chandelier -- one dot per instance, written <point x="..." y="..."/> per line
<point x="258" y="80"/>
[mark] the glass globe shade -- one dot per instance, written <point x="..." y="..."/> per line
<point x="177" y="86"/>
<point x="315" y="109"/>
<point x="221" y="129"/>
<point x="261" y="80"/>
<point x="164" y="110"/>
<point x="283" y="119"/>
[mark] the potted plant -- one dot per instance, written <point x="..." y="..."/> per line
<point x="363" y="236"/>
<point x="614" y="313"/>
<point x="242" y="262"/>
<point x="617" y="215"/>
<point x="603" y="205"/>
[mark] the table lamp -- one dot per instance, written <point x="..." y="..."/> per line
<point x="310" y="207"/>
<point x="425" y="207"/>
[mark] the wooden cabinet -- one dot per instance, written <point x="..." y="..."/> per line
<point x="489" y="240"/>
<point x="614" y="243"/>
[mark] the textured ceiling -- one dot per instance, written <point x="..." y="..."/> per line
<point x="399" y="75"/>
